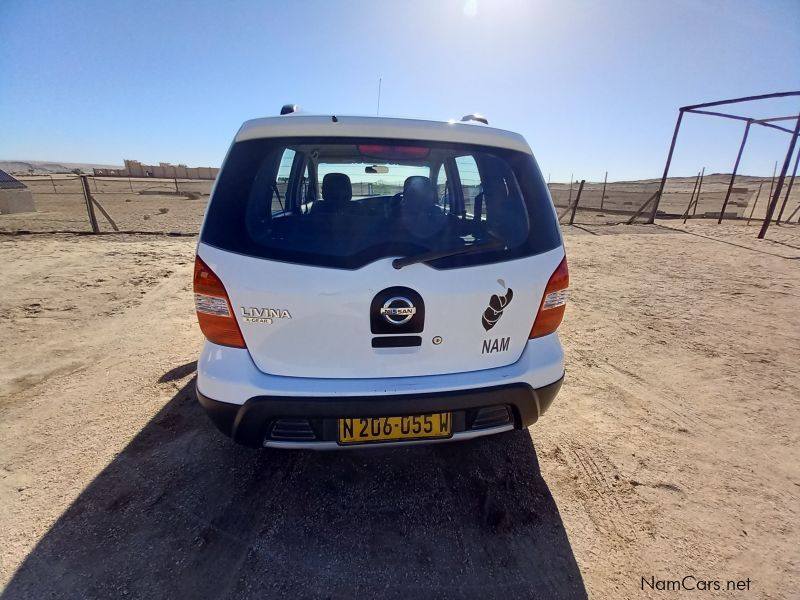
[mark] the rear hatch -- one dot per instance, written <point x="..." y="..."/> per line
<point x="305" y="235"/>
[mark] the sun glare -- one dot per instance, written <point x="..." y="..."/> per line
<point x="471" y="8"/>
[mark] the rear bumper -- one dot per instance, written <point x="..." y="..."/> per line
<point x="230" y="375"/>
<point x="251" y="423"/>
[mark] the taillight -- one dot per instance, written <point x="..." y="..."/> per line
<point x="214" y="312"/>
<point x="551" y="311"/>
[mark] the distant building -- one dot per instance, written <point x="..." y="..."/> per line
<point x="133" y="168"/>
<point x="14" y="196"/>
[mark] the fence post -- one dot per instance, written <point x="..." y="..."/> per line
<point x="733" y="175"/>
<point x="87" y="196"/>
<point x="699" y="187"/>
<point x="642" y="208"/>
<point x="794" y="212"/>
<point x="772" y="181"/>
<point x="691" y="198"/>
<point x="603" y="195"/>
<point x="55" y="191"/>
<point x="774" y="201"/>
<point x="752" y="210"/>
<point x="660" y="191"/>
<point x="176" y="185"/>
<point x="130" y="184"/>
<point x="577" y="199"/>
<point x="788" y="189"/>
<point x="99" y="206"/>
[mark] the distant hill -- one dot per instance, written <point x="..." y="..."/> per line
<point x="41" y="167"/>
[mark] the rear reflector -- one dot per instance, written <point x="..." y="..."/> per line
<point x="214" y="313"/>
<point x="551" y="311"/>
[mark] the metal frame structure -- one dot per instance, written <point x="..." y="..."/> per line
<point x="749" y="121"/>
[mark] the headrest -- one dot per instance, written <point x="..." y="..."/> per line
<point x="420" y="215"/>
<point x="419" y="190"/>
<point x="336" y="188"/>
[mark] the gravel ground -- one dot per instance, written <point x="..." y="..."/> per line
<point x="672" y="449"/>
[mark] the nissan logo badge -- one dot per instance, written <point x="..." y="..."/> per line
<point x="398" y="310"/>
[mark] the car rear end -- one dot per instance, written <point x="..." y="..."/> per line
<point x="364" y="281"/>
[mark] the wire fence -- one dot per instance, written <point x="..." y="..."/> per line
<point x="599" y="203"/>
<point x="177" y="205"/>
<point x="135" y="204"/>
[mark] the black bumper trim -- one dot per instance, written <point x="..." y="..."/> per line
<point x="247" y="423"/>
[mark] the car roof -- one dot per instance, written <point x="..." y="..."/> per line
<point x="303" y="125"/>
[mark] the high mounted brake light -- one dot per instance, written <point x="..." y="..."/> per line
<point x="551" y="310"/>
<point x="393" y="152"/>
<point x="214" y="312"/>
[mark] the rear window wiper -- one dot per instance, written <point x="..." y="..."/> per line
<point x="399" y="263"/>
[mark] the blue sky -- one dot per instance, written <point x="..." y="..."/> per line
<point x="593" y="86"/>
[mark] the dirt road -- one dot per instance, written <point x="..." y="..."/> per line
<point x="672" y="450"/>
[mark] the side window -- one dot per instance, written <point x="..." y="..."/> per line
<point x="282" y="180"/>
<point x="442" y="191"/>
<point x="470" y="182"/>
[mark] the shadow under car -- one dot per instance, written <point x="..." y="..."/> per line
<point x="184" y="512"/>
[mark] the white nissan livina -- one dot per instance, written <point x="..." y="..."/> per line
<point x="367" y="280"/>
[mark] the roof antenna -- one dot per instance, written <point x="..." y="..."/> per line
<point x="378" y="112"/>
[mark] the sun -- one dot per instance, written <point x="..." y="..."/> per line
<point x="471" y="8"/>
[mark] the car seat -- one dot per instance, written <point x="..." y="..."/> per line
<point x="337" y="191"/>
<point x="420" y="215"/>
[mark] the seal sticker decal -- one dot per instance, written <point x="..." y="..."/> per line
<point x="496" y="305"/>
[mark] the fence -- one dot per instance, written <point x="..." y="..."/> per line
<point x="177" y="206"/>
<point x="683" y="197"/>
<point x="135" y="204"/>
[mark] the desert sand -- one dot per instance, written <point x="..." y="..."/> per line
<point x="671" y="451"/>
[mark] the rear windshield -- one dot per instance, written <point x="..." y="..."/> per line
<point x="344" y="203"/>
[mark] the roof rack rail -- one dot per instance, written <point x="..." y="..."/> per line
<point x="475" y="117"/>
<point x="288" y="109"/>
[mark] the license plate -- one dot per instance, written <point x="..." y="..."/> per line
<point x="384" y="429"/>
